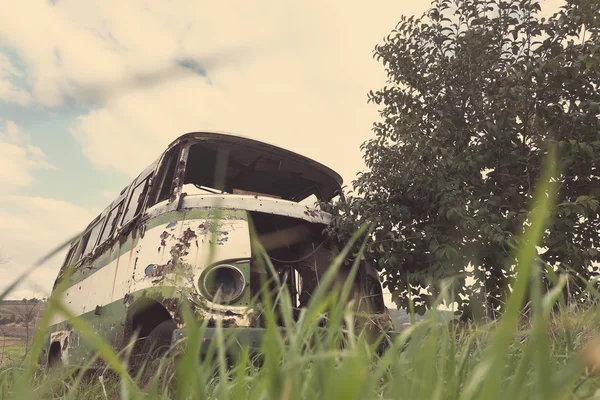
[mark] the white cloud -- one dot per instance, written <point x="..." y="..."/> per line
<point x="9" y="92"/>
<point x="31" y="229"/>
<point x="18" y="158"/>
<point x="7" y="68"/>
<point x="301" y="81"/>
<point x="29" y="226"/>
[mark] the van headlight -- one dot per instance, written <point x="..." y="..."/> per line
<point x="224" y="283"/>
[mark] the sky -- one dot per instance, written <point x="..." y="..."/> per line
<point x="74" y="131"/>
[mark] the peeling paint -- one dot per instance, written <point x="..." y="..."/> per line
<point x="172" y="225"/>
<point x="173" y="306"/>
<point x="163" y="238"/>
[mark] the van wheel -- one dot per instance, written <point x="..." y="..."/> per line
<point x="54" y="355"/>
<point x="159" y="341"/>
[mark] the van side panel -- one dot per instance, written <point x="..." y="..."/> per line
<point x="162" y="262"/>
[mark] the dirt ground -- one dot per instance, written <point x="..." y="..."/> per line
<point x="11" y="341"/>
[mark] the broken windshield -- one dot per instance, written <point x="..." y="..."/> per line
<point x="237" y="169"/>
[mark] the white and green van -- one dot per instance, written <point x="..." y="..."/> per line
<point x="181" y="231"/>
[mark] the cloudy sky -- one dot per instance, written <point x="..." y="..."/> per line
<point x="74" y="130"/>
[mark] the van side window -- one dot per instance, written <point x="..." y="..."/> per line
<point x="136" y="201"/>
<point x="69" y="260"/>
<point x="163" y="184"/>
<point x="111" y="222"/>
<point x="90" y="238"/>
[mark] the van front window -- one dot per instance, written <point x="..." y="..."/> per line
<point x="236" y="169"/>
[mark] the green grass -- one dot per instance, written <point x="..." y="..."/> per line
<point x="13" y="352"/>
<point x="544" y="356"/>
<point x="438" y="361"/>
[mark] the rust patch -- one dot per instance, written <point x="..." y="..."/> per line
<point x="58" y="336"/>
<point x="180" y="172"/>
<point x="181" y="248"/>
<point x="173" y="306"/>
<point x="160" y="270"/>
<point x="103" y="248"/>
<point x="230" y="313"/>
<point x="112" y="293"/>
<point x="179" y="175"/>
<point x="130" y="257"/>
<point x="127" y="299"/>
<point x="122" y="238"/>
<point x="163" y="238"/>
<point x="203" y="228"/>
<point x="229" y="323"/>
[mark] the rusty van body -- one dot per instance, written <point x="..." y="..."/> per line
<point x="181" y="231"/>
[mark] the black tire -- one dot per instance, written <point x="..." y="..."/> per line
<point x="158" y="341"/>
<point x="154" y="347"/>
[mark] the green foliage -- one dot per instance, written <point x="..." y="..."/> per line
<point x="478" y="92"/>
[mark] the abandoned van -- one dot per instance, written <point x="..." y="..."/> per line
<point x="183" y="231"/>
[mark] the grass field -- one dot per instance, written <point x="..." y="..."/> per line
<point x="552" y="353"/>
<point x="11" y="353"/>
<point x="429" y="361"/>
<point x="12" y="349"/>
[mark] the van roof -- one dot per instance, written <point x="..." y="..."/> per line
<point x="231" y="138"/>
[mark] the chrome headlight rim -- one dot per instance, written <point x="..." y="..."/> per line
<point x="213" y="296"/>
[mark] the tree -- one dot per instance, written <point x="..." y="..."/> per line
<point x="28" y="313"/>
<point x="478" y="90"/>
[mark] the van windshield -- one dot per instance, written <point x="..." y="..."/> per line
<point x="237" y="169"/>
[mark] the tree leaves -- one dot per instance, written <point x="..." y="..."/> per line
<point x="478" y="90"/>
